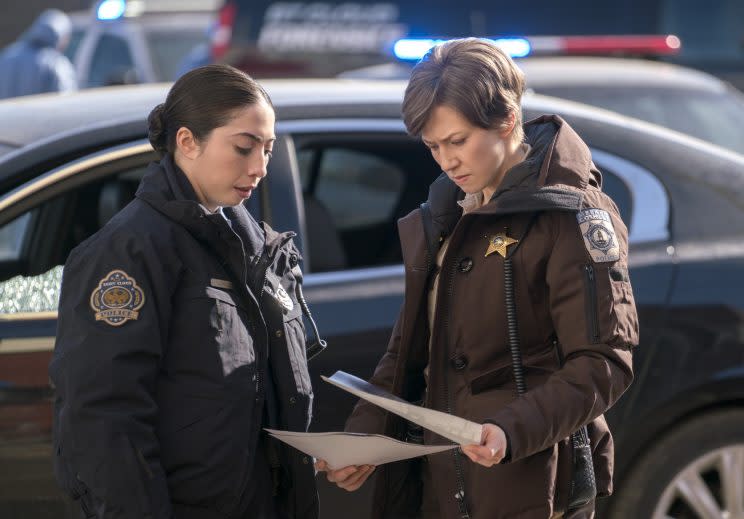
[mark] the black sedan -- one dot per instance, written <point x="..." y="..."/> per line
<point x="343" y="172"/>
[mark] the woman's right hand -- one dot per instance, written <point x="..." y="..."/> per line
<point x="349" y="478"/>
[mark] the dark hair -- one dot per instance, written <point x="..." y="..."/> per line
<point x="471" y="75"/>
<point x="201" y="100"/>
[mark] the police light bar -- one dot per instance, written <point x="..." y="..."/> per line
<point x="413" y="49"/>
<point x="111" y="9"/>
<point x="603" y="45"/>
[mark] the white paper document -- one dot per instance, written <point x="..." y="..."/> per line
<point x="452" y="427"/>
<point x="340" y="449"/>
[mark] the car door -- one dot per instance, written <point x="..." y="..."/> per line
<point x="354" y="180"/>
<point x="645" y="207"/>
<point x="40" y="222"/>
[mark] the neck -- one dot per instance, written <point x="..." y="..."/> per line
<point x="518" y="152"/>
<point x="187" y="171"/>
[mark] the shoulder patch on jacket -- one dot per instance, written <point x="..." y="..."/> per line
<point x="117" y="298"/>
<point x="599" y="235"/>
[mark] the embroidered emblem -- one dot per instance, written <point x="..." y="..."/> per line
<point x="117" y="298"/>
<point x="221" y="283"/>
<point x="499" y="244"/>
<point x="599" y="235"/>
<point x="281" y="296"/>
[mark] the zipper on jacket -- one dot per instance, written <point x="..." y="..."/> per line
<point x="591" y="304"/>
<point x="261" y="268"/>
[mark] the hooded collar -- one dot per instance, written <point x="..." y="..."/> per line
<point x="554" y="176"/>
<point x="166" y="188"/>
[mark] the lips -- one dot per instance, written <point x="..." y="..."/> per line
<point x="246" y="191"/>
<point x="460" y="179"/>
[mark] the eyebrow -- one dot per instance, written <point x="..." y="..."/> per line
<point x="254" y="137"/>
<point x="447" y="138"/>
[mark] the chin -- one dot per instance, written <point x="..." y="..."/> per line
<point x="469" y="190"/>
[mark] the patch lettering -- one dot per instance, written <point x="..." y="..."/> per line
<point x="599" y="235"/>
<point x="117" y="299"/>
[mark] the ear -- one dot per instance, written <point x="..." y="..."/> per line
<point x="508" y="126"/>
<point x="186" y="143"/>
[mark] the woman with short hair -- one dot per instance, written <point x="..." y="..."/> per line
<point x="518" y="310"/>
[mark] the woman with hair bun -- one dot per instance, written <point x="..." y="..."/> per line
<point x="180" y="333"/>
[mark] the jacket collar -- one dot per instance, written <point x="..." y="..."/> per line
<point x="552" y="177"/>
<point x="166" y="188"/>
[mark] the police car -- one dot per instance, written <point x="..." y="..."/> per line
<point x="137" y="41"/>
<point x="342" y="146"/>
<point x="322" y="38"/>
<point x="683" y="99"/>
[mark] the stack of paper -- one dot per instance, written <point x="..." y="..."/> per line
<point x="340" y="449"/>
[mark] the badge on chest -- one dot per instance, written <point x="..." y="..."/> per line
<point x="277" y="292"/>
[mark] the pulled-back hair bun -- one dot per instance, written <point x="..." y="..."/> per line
<point x="201" y="100"/>
<point x="157" y="131"/>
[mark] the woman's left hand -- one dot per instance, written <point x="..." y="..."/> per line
<point x="492" y="448"/>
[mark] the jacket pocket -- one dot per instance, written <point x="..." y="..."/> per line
<point x="590" y="304"/>
<point x="537" y="367"/>
<point x="494" y="379"/>
<point x="294" y="331"/>
<point x="232" y="336"/>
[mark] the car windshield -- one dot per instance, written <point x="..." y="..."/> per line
<point x="711" y="116"/>
<point x="169" y="47"/>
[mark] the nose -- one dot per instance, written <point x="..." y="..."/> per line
<point x="257" y="164"/>
<point x="448" y="161"/>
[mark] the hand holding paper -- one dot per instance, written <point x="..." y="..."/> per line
<point x="341" y="450"/>
<point x="449" y="426"/>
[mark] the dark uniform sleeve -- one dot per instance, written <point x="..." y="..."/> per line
<point x="113" y="315"/>
<point x="367" y="417"/>
<point x="596" y="324"/>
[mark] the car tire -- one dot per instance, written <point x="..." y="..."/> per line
<point x="696" y="471"/>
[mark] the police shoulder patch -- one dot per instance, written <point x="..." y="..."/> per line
<point x="117" y="298"/>
<point x="599" y="235"/>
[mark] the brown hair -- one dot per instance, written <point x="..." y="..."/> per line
<point x="471" y="75"/>
<point x="201" y="100"/>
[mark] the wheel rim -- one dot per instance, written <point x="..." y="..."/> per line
<point x="710" y="487"/>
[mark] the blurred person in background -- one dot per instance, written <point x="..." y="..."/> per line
<point x="35" y="64"/>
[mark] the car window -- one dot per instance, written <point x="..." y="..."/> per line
<point x="641" y="197"/>
<point x="620" y="194"/>
<point x="31" y="294"/>
<point x="12" y="237"/>
<point x="169" y="48"/>
<point x="359" y="188"/>
<point x="354" y="192"/>
<point x="37" y="243"/>
<point x="112" y="60"/>
<point x="714" y="117"/>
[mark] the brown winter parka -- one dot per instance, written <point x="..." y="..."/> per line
<point x="577" y="327"/>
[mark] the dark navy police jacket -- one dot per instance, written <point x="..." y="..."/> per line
<point x="179" y="337"/>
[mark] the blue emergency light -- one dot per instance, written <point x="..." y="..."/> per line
<point x="413" y="49"/>
<point x="111" y="9"/>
